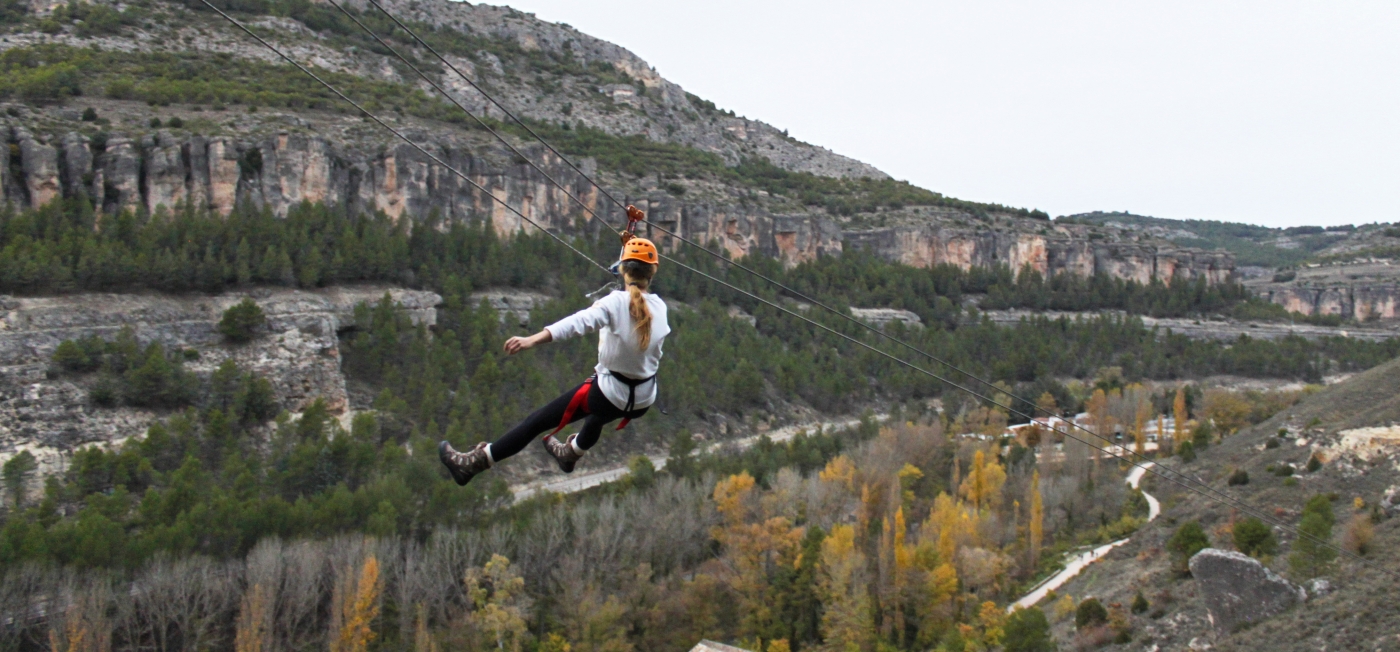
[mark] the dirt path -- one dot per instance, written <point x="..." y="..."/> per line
<point x="565" y="484"/>
<point x="1079" y="561"/>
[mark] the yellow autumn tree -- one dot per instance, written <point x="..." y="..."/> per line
<point x="993" y="622"/>
<point x="1226" y="409"/>
<point x="355" y="606"/>
<point x="1097" y="407"/>
<point x="1161" y="431"/>
<point x="944" y="520"/>
<point x="1179" y="417"/>
<point x="895" y="592"/>
<point x="1046" y="404"/>
<point x="731" y="497"/>
<point x="254" y="630"/>
<point x="423" y="640"/>
<point x="1142" y="414"/>
<point x="908" y="476"/>
<point x="1037" y="524"/>
<point x="555" y="643"/>
<point x="497" y="595"/>
<point x="983" y="484"/>
<point x="846" y="624"/>
<point x="839" y="470"/>
<point x="943" y="586"/>
<point x="751" y="550"/>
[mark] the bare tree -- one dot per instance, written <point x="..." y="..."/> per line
<point x="79" y="619"/>
<point x="181" y="604"/>
<point x="26" y="594"/>
<point x="305" y="587"/>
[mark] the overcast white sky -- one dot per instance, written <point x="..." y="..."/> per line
<point x="1280" y="113"/>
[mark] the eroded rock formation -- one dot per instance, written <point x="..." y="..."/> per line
<point x="50" y="414"/>
<point x="1360" y="302"/>
<point x="281" y="170"/>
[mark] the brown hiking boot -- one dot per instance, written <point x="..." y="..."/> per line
<point x="563" y="452"/>
<point x="464" y="465"/>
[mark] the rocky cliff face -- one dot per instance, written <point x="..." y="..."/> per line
<point x="1363" y="290"/>
<point x="278" y="157"/>
<point x="605" y="86"/>
<point x="1359" y="302"/>
<point x="325" y="160"/>
<point x="299" y="354"/>
<point x="946" y="236"/>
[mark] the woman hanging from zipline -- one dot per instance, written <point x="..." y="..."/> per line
<point x="631" y="327"/>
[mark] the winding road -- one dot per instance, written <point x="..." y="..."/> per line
<point x="580" y="481"/>
<point x="1079" y="561"/>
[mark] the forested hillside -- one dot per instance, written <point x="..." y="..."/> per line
<point x="1252" y="244"/>
<point x="152" y="152"/>
<point x="215" y="478"/>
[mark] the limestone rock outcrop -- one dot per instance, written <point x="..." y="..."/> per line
<point x="280" y="170"/>
<point x="1358" y="302"/>
<point x="882" y="317"/>
<point x="1238" y="590"/>
<point x="948" y="237"/>
<point x="514" y="305"/>
<point x="299" y="354"/>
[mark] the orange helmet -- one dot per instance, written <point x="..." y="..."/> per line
<point x="640" y="249"/>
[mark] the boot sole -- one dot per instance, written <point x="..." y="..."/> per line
<point x="457" y="476"/>
<point x="561" y="463"/>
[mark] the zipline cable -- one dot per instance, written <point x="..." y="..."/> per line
<point x="589" y="210"/>
<point x="402" y="137"/>
<point x="473" y="116"/>
<point x="1166" y="472"/>
<point x="1010" y="410"/>
<point x="492" y="100"/>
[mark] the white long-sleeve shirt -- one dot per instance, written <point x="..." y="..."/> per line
<point x="618" y="345"/>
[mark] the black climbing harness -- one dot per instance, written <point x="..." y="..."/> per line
<point x="632" y="385"/>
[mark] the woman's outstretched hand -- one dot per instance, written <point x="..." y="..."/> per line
<point x="515" y="345"/>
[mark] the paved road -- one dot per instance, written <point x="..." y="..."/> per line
<point x="1078" y="562"/>
<point x="564" y="484"/>
<point x="1206" y="329"/>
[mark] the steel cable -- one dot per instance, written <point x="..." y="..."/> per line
<point x="1190" y="484"/>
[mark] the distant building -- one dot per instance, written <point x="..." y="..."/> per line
<point x="1057" y="427"/>
<point x="1053" y="428"/>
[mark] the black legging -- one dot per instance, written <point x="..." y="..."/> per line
<point x="597" y="412"/>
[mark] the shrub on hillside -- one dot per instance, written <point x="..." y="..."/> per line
<point x="1027" y="630"/>
<point x="1254" y="538"/>
<point x="1239" y="477"/>
<point x="79" y="356"/>
<point x="1187" y="451"/>
<point x="1311" y="552"/>
<point x="1091" y="613"/>
<point x="241" y="321"/>
<point x="1359" y="533"/>
<point x="1202" y="434"/>
<point x="1188" y="540"/>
